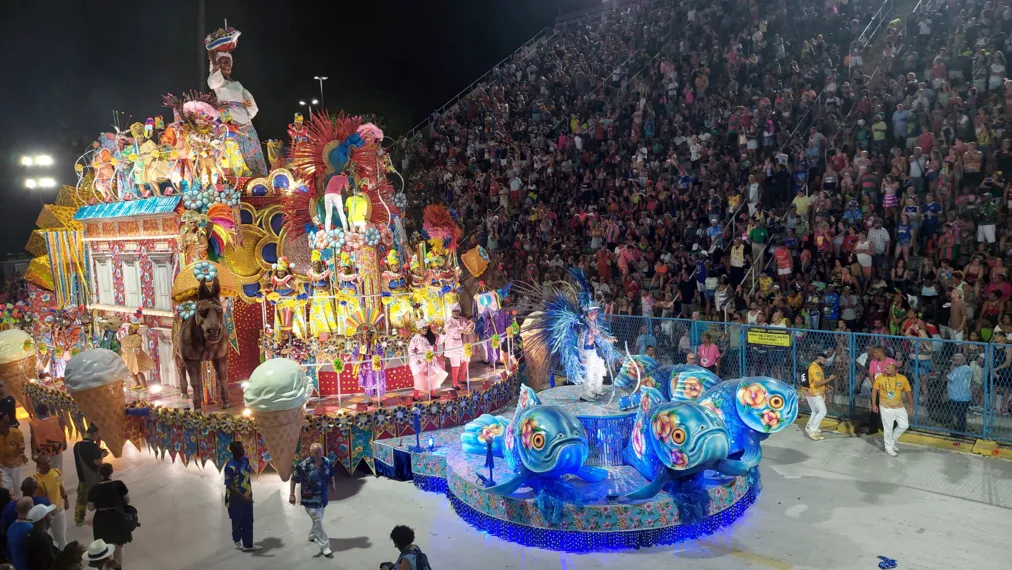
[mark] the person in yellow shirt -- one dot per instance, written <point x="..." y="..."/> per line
<point x="12" y="454"/>
<point x="815" y="393"/>
<point x="50" y="486"/>
<point x="895" y="404"/>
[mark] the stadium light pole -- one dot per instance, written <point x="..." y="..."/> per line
<point x="321" y="79"/>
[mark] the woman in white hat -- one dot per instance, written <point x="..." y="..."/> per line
<point x="427" y="370"/>
<point x="99" y="554"/>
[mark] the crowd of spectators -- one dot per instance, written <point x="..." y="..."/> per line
<point x="734" y="162"/>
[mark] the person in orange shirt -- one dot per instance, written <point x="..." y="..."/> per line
<point x="895" y="404"/>
<point x="48" y="436"/>
<point x="12" y="455"/>
<point x="815" y="393"/>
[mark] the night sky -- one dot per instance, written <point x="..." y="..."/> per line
<point x="68" y="64"/>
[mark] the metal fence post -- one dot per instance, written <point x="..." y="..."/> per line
<point x="794" y="358"/>
<point x="987" y="413"/>
<point x="852" y="373"/>
<point x="743" y="343"/>
<point x="917" y="382"/>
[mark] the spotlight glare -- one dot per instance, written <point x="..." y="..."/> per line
<point x="31" y="184"/>
<point x="247" y="412"/>
<point x="27" y="161"/>
<point x="47" y="183"/>
<point x="43" y="160"/>
<point x="303" y="103"/>
<point x="316" y="101"/>
<point x="155" y="389"/>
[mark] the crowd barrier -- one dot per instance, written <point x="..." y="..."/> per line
<point x="785" y="353"/>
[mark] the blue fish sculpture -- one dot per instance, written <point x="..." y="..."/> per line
<point x="751" y="408"/>
<point x="640" y="370"/>
<point x="542" y="444"/>
<point x="479" y="432"/>
<point x="687" y="382"/>
<point x="674" y="441"/>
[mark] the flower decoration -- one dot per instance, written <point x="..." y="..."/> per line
<point x="338" y="365"/>
<point x="230" y="197"/>
<point x="429" y="355"/>
<point x="771" y="419"/>
<point x="400" y="200"/>
<point x="204" y="271"/>
<point x="377" y="362"/>
<point x="372" y="237"/>
<point x="319" y="240"/>
<point x="353" y="241"/>
<point x="401" y="415"/>
<point x="434" y="410"/>
<point x="468" y="351"/>
<point x="382" y="418"/>
<point x="342" y="420"/>
<point x="678" y="459"/>
<point x="753" y="395"/>
<point x="496" y="341"/>
<point x="451" y="408"/>
<point x="386" y="236"/>
<point x="639" y="443"/>
<point x="664" y="425"/>
<point x="490" y="432"/>
<point x="337" y="237"/>
<point x="363" y="421"/>
<point x="691" y="387"/>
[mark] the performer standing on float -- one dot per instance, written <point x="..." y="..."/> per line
<point x="427" y="370"/>
<point x="453" y="344"/>
<point x="567" y="325"/>
<point x="322" y="320"/>
<point x="240" y="103"/>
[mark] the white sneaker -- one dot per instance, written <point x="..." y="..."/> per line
<point x="891" y="451"/>
<point x="254" y="548"/>
<point x="327" y="552"/>
<point x="238" y="545"/>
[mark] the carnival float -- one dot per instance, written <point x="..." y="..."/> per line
<point x="189" y="292"/>
<point x="195" y="257"/>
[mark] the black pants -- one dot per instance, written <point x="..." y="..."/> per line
<point x="874" y="420"/>
<point x="959" y="415"/>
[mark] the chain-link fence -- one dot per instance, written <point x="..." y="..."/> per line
<point x="957" y="388"/>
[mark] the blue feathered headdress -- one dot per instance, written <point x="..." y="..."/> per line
<point x="557" y="321"/>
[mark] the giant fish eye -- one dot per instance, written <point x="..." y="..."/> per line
<point x="678" y="436"/>
<point x="776" y="402"/>
<point x="538" y="441"/>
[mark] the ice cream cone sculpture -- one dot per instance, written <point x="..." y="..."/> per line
<point x="17" y="362"/>
<point x="94" y="378"/>
<point x="276" y="394"/>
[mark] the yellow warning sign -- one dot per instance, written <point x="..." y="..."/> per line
<point x="769" y="337"/>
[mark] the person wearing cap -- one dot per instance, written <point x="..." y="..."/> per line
<point x="50" y="486"/>
<point x="892" y="393"/>
<point x="100" y="554"/>
<point x="426" y="369"/>
<point x="10" y="514"/>
<point x="12" y="454"/>
<point x="17" y="533"/>
<point x="958" y="387"/>
<point x="815" y="394"/>
<point x="40" y="549"/>
<point x="453" y="344"/>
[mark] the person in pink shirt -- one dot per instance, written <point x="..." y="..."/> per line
<point x="877" y="364"/>
<point x="709" y="354"/>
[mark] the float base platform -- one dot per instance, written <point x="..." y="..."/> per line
<point x="603" y="522"/>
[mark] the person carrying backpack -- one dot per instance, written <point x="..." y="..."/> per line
<point x="411" y="557"/>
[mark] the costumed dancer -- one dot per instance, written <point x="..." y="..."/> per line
<point x="322" y="320"/>
<point x="124" y="157"/>
<point x="298" y="132"/>
<point x="426" y="369"/>
<point x="137" y="361"/>
<point x="570" y="328"/>
<point x="234" y="97"/>
<point x="372" y="374"/>
<point x="398" y="304"/>
<point x="359" y="206"/>
<point x="194" y="237"/>
<point x="453" y="344"/>
<point x="287" y="321"/>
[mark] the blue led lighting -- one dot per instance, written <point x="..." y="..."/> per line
<point x="577" y="541"/>
<point x="430" y="483"/>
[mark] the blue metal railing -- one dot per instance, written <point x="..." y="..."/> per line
<point x="926" y="362"/>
